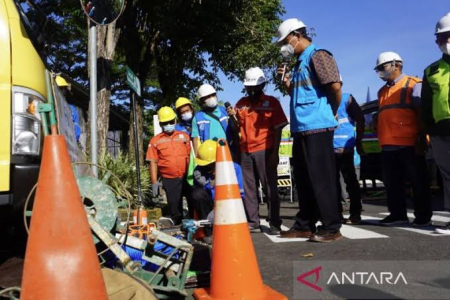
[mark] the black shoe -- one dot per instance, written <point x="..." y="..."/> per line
<point x="421" y="223"/>
<point x="273" y="230"/>
<point x="254" y="229"/>
<point x="325" y="236"/>
<point x="353" y="220"/>
<point x="390" y="220"/>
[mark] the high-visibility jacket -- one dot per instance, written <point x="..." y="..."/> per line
<point x="309" y="105"/>
<point x="345" y="134"/>
<point x="203" y="124"/>
<point x="397" y="120"/>
<point x="438" y="76"/>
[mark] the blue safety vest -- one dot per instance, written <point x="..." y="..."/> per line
<point x="309" y="104"/>
<point x="345" y="134"/>
<point x="203" y="124"/>
<point x="184" y="127"/>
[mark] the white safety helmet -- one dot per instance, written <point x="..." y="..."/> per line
<point x="386" y="57"/>
<point x="254" y="76"/>
<point x="287" y="27"/>
<point x="205" y="90"/>
<point x="444" y="24"/>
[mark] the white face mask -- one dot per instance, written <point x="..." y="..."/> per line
<point x="445" y="48"/>
<point x="186" y="116"/>
<point x="288" y="49"/>
<point x="384" y="75"/>
<point x="169" y="128"/>
<point x="211" y="102"/>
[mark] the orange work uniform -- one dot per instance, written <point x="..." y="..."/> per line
<point x="257" y="122"/>
<point x="171" y="152"/>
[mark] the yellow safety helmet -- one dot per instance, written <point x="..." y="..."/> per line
<point x="206" y="153"/>
<point x="182" y="101"/>
<point x="166" y="114"/>
<point x="61" y="82"/>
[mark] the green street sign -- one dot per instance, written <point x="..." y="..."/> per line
<point x="133" y="81"/>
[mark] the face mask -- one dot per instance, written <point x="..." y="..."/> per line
<point x="211" y="102"/>
<point x="289" y="49"/>
<point x="186" y="116"/>
<point x="384" y="75"/>
<point x="445" y="48"/>
<point x="169" y="128"/>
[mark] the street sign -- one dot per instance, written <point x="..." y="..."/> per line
<point x="133" y="81"/>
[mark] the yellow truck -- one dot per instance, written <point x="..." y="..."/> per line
<point x="22" y="88"/>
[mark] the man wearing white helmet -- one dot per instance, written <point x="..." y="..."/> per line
<point x="315" y="90"/>
<point x="402" y="142"/>
<point x="259" y="118"/>
<point x="436" y="107"/>
<point x="211" y="122"/>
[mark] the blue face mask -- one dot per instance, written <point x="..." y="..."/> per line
<point x="169" y="128"/>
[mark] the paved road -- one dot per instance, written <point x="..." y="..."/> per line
<point x="365" y="242"/>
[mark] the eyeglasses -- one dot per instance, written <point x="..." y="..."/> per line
<point x="381" y="68"/>
<point x="442" y="37"/>
<point x="168" y="122"/>
<point x="286" y="41"/>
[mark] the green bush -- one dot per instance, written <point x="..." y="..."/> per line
<point x="124" y="167"/>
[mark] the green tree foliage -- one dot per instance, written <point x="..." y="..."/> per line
<point x="175" y="45"/>
<point x="172" y="45"/>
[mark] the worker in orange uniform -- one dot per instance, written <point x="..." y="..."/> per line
<point x="168" y="153"/>
<point x="402" y="141"/>
<point x="260" y="120"/>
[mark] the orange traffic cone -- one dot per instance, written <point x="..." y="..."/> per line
<point x="200" y="233"/>
<point x="60" y="261"/>
<point x="234" y="270"/>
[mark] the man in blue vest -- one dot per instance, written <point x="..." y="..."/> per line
<point x="346" y="138"/>
<point x="211" y="122"/>
<point x="436" y="108"/>
<point x="315" y="90"/>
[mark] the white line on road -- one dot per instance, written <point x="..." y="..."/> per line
<point x="429" y="230"/>
<point x="347" y="231"/>
<point x="435" y="218"/>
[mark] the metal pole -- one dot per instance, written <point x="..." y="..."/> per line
<point x="136" y="149"/>
<point x="93" y="94"/>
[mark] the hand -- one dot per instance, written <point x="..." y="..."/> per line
<point x="155" y="189"/>
<point x="359" y="148"/>
<point x="280" y="70"/>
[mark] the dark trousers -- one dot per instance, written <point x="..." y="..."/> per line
<point x="441" y="153"/>
<point x="315" y="176"/>
<point x="175" y="188"/>
<point x="256" y="165"/>
<point x="203" y="204"/>
<point x="398" y="166"/>
<point x="345" y="165"/>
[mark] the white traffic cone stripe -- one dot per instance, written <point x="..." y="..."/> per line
<point x="225" y="174"/>
<point x="228" y="212"/>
